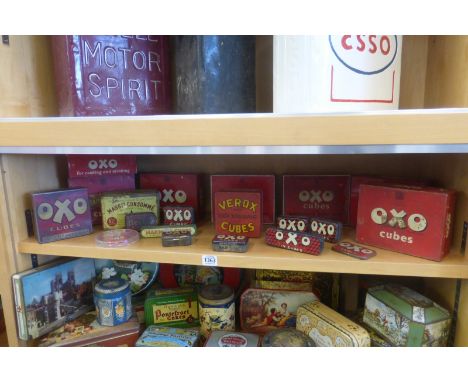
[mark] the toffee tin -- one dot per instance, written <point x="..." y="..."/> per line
<point x="113" y="301"/>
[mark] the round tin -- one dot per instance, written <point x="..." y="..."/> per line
<point x="216" y="309"/>
<point x="117" y="238"/>
<point x="288" y="337"/>
<point x="113" y="301"/>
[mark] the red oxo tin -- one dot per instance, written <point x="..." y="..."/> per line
<point x="294" y="241"/>
<point x="354" y="250"/>
<point x="238" y="212"/>
<point x="292" y="223"/>
<point x="330" y="230"/>
<point x="411" y="220"/>
<point x="178" y="215"/>
<point x="99" y="165"/>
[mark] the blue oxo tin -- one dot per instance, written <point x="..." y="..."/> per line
<point x="113" y="301"/>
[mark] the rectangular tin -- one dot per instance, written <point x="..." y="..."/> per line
<point x="327" y="327"/>
<point x="265" y="183"/>
<point x="158" y="336"/>
<point x="293" y="223"/>
<point x="222" y="338"/>
<point x="230" y="243"/>
<point x="281" y="275"/>
<point x="330" y="230"/>
<point x="411" y="220"/>
<point x="116" y="205"/>
<point x="282" y="285"/>
<point x="294" y="241"/>
<point x="155" y="232"/>
<point x="176" y="307"/>
<point x="141" y="219"/>
<point x="180" y="215"/>
<point x="262" y="310"/>
<point x="97" y="165"/>
<point x="178" y="238"/>
<point x="238" y="213"/>
<point x="405" y="317"/>
<point x="61" y="214"/>
<point x="322" y="196"/>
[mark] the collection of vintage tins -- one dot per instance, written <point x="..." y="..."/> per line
<point x="113" y="301"/>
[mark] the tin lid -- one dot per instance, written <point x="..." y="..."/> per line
<point x="288" y="337"/>
<point x="216" y="294"/>
<point x="111" y="286"/>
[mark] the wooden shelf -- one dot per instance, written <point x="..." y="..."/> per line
<point x="259" y="255"/>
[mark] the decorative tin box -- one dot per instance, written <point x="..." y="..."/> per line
<point x="264" y="183"/>
<point x="293" y="223"/>
<point x="86" y="331"/>
<point x="411" y="220"/>
<point x="280" y="275"/>
<point x="175" y="239"/>
<point x="287" y="337"/>
<point x="327" y="327"/>
<point x="113" y="301"/>
<point x="282" y="285"/>
<point x="238" y="213"/>
<point x="116" y="205"/>
<point x="230" y="243"/>
<point x="157" y="231"/>
<point x="262" y="310"/>
<point x="158" y="336"/>
<point x="178" y="215"/>
<point x="176" y="189"/>
<point x="102" y="166"/>
<point x="140" y="219"/>
<point x="224" y="339"/>
<point x="176" y="307"/>
<point x="112" y="75"/>
<point x="330" y="230"/>
<point x="322" y="196"/>
<point x="294" y="241"/>
<point x="405" y="317"/>
<point x="48" y="296"/>
<point x="61" y="214"/>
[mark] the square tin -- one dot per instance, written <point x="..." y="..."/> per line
<point x="230" y="243"/>
<point x="178" y="215"/>
<point x="330" y="230"/>
<point x="141" y="219"/>
<point x="294" y="241"/>
<point x="101" y="165"/>
<point x="177" y="238"/>
<point x="61" y="214"/>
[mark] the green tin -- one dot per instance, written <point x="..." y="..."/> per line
<point x="176" y="307"/>
<point x="406" y="318"/>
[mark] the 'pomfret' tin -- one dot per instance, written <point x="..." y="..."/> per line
<point x="113" y="301"/>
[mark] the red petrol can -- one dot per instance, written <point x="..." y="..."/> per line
<point x="412" y="220"/>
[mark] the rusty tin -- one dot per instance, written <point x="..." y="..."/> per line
<point x="178" y="238"/>
<point x="230" y="243"/>
<point x="175" y="215"/>
<point x="294" y="241"/>
<point x="330" y="230"/>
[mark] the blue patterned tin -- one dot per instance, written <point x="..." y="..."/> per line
<point x="113" y="301"/>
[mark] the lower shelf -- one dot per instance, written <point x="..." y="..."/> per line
<point x="259" y="256"/>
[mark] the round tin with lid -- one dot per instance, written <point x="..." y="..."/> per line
<point x="112" y="298"/>
<point x="288" y="337"/>
<point x="216" y="309"/>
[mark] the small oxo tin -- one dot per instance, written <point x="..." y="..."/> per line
<point x="140" y="219"/>
<point x="294" y="241"/>
<point x="293" y="223"/>
<point x="157" y="231"/>
<point x="354" y="250"/>
<point x="175" y="215"/>
<point x="230" y="243"/>
<point x="178" y="238"/>
<point x="328" y="229"/>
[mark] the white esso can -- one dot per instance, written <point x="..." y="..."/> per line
<point x="336" y="73"/>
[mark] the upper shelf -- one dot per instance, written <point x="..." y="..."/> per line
<point x="400" y="131"/>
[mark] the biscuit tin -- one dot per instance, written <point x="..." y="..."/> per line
<point x="159" y="336"/>
<point x="224" y="339"/>
<point x="178" y="238"/>
<point x="101" y="166"/>
<point x="86" y="331"/>
<point x="287" y="337"/>
<point x="294" y="241"/>
<point x="238" y="213"/>
<point x="411" y="220"/>
<point x="330" y="230"/>
<point x="327" y="327"/>
<point x="264" y="183"/>
<point x="405" y="317"/>
<point x="176" y="307"/>
<point x="281" y="275"/>
<point x="230" y="243"/>
<point x="178" y="215"/>
<point x="48" y="296"/>
<point x="113" y="301"/>
<point x="157" y="231"/>
<point x="140" y="219"/>
<point x="217" y="309"/>
<point x="61" y="214"/>
<point x="262" y="310"/>
<point x="115" y="206"/>
<point x="282" y="285"/>
<point x="321" y="196"/>
<point x="293" y="223"/>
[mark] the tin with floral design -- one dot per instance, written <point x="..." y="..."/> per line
<point x="113" y="301"/>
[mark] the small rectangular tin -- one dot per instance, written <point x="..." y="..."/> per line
<point x="351" y="249"/>
<point x="115" y="206"/>
<point x="141" y="219"/>
<point x="230" y="243"/>
<point x="99" y="165"/>
<point x="155" y="232"/>
<point x="158" y="336"/>
<point x="327" y="327"/>
<point x="175" y="215"/>
<point x="61" y="214"/>
<point x="294" y="241"/>
<point x="223" y="338"/>
<point x="178" y="238"/>
<point x="293" y="223"/>
<point x="330" y="230"/>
